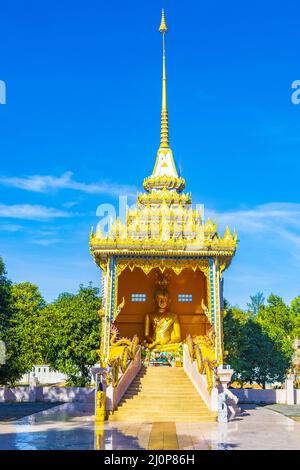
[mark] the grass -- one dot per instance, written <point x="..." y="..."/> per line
<point x="13" y="411"/>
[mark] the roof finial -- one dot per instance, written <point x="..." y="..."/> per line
<point x="163" y="27"/>
<point x="164" y="129"/>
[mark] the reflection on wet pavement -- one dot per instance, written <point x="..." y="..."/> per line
<point x="71" y="426"/>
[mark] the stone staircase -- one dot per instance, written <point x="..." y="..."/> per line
<point x="162" y="394"/>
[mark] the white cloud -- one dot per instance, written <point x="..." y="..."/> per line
<point x="70" y="204"/>
<point x="280" y="219"/>
<point x="44" y="184"/>
<point x="31" y="212"/>
<point x="10" y="228"/>
<point x="47" y="241"/>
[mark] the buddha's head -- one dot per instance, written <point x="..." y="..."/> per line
<point x="162" y="298"/>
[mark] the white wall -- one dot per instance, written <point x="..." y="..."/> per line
<point x="45" y="375"/>
<point x="47" y="394"/>
<point x="251" y="395"/>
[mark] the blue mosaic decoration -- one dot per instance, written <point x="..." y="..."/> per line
<point x="211" y="283"/>
<point x="113" y="271"/>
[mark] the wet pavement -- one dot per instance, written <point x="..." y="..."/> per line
<point x="71" y="427"/>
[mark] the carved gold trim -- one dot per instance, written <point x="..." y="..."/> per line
<point x="164" y="182"/>
<point x="222" y="267"/>
<point x="177" y="265"/>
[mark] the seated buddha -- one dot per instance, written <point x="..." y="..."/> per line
<point x="162" y="328"/>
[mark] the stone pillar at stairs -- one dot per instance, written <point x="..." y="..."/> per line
<point x="289" y="388"/>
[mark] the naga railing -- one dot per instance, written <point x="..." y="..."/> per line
<point x="124" y="364"/>
<point x="194" y="366"/>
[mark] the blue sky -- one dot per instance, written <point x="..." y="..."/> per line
<point x="81" y="125"/>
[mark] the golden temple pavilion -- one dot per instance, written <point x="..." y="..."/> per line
<point x="162" y="269"/>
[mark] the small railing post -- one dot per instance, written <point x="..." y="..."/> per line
<point x="289" y="390"/>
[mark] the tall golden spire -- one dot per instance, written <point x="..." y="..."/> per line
<point x="164" y="129"/>
<point x="164" y="175"/>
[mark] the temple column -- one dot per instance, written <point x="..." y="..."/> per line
<point x="108" y="286"/>
<point x="214" y="278"/>
<point x="104" y="325"/>
<point x="219" y="309"/>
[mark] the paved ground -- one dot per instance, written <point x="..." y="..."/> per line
<point x="71" y="426"/>
<point x="291" y="411"/>
<point x="13" y="411"/>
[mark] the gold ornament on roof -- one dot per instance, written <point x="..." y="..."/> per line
<point x="163" y="27"/>
<point x="210" y="227"/>
<point x="164" y="182"/>
<point x="163" y="195"/>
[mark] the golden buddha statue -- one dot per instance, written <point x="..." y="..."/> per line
<point x="162" y="329"/>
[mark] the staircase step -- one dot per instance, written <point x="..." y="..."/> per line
<point x="161" y="394"/>
<point x="162" y="419"/>
<point x="159" y="412"/>
<point x="167" y="386"/>
<point x="147" y="400"/>
<point x="169" y="406"/>
<point x="166" y="416"/>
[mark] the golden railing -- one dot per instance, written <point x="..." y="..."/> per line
<point x="120" y="358"/>
<point x="204" y="355"/>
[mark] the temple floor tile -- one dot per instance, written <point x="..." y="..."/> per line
<point x="72" y="427"/>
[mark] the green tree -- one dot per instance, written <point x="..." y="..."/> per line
<point x="5" y="312"/>
<point x="267" y="360"/>
<point x="238" y="344"/>
<point x="256" y="301"/>
<point x="259" y="347"/>
<point x="75" y="335"/>
<point x="276" y="321"/>
<point x="295" y="316"/>
<point x="24" y="341"/>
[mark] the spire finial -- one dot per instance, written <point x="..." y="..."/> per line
<point x="163" y="27"/>
<point x="164" y="128"/>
